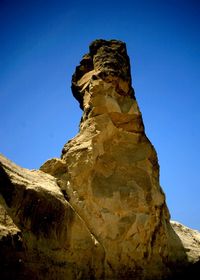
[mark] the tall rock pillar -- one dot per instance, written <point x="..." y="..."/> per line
<point x="112" y="177"/>
<point x="99" y="212"/>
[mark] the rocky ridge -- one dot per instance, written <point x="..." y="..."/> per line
<point x="98" y="212"/>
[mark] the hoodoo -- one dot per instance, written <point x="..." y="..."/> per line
<point x="98" y="212"/>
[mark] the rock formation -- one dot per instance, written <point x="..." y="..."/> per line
<point x="40" y="233"/>
<point x="99" y="211"/>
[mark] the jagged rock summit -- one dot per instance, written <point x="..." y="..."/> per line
<point x="98" y="212"/>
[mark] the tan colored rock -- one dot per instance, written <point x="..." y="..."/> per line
<point x="41" y="236"/>
<point x="112" y="171"/>
<point x="98" y="212"/>
<point x="190" y="239"/>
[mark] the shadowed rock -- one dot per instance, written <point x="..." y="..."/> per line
<point x="41" y="235"/>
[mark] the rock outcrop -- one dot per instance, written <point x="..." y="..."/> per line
<point x="41" y="235"/>
<point x="98" y="212"/>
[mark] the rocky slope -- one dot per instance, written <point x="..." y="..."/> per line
<point x="41" y="235"/>
<point x="99" y="211"/>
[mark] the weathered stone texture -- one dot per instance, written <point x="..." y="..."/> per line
<point x="100" y="213"/>
<point x="41" y="236"/>
<point x="113" y="172"/>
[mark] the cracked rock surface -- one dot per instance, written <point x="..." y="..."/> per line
<point x="41" y="235"/>
<point x="98" y="212"/>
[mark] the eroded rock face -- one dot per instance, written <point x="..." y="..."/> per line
<point x="112" y="177"/>
<point x="100" y="212"/>
<point x="41" y="235"/>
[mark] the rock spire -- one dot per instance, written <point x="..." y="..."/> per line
<point x="99" y="212"/>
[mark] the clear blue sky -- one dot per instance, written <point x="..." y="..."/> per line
<point x="41" y="42"/>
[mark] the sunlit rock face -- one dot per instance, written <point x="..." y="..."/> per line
<point x="98" y="212"/>
<point x="112" y="175"/>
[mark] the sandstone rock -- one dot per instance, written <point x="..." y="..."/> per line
<point x="112" y="177"/>
<point x="98" y="212"/>
<point x="41" y="235"/>
<point x="190" y="239"/>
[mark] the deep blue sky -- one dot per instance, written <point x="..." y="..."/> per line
<point x="41" y="42"/>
